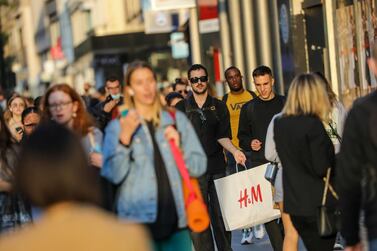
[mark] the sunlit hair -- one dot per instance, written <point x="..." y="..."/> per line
<point x="82" y="122"/>
<point x="129" y="100"/>
<point x="330" y="92"/>
<point x="307" y="96"/>
<point x="8" y="114"/>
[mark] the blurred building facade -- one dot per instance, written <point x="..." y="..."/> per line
<point x="78" y="41"/>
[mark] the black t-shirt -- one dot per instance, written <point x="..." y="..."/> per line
<point x="167" y="219"/>
<point x="211" y="122"/>
<point x="255" y="117"/>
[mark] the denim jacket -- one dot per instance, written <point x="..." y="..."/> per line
<point x="133" y="167"/>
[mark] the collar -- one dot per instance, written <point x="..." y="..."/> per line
<point x="207" y="103"/>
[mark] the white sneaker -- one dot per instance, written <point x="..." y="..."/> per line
<point x="244" y="236"/>
<point x="258" y="232"/>
<point x="338" y="246"/>
<point x="247" y="237"/>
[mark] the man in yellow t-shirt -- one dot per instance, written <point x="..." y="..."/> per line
<point x="234" y="100"/>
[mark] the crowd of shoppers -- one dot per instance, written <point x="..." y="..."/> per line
<point x="74" y="156"/>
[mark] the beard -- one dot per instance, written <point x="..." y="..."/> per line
<point x="235" y="88"/>
<point x="200" y="92"/>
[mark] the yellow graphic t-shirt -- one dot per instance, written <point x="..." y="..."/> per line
<point x="234" y="104"/>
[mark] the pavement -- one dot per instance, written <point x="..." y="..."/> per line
<point x="257" y="245"/>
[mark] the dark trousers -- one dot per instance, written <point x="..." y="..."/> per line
<point x="276" y="234"/>
<point x="204" y="241"/>
<point x="307" y="228"/>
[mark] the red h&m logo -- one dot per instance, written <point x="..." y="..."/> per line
<point x="245" y="199"/>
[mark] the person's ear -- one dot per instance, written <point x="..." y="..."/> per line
<point x="130" y="91"/>
<point x="75" y="106"/>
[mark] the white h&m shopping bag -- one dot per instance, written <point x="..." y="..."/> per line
<point x="246" y="199"/>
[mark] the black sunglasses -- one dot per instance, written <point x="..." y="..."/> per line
<point x="196" y="79"/>
<point x="182" y="91"/>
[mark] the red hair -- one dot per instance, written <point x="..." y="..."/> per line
<point x="82" y="122"/>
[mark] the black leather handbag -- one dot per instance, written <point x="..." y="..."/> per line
<point x="328" y="217"/>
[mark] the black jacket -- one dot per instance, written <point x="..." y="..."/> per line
<point x="358" y="160"/>
<point x="255" y="117"/>
<point x="211" y="123"/>
<point x="103" y="118"/>
<point x="305" y="151"/>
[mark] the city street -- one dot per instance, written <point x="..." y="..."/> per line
<point x="257" y="245"/>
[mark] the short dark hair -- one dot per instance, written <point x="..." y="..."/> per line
<point x="112" y="78"/>
<point x="54" y="168"/>
<point x="37" y="102"/>
<point x="27" y="111"/>
<point x="169" y="98"/>
<point x="196" y="67"/>
<point x="261" y="71"/>
<point x="179" y="81"/>
<point x="231" y="68"/>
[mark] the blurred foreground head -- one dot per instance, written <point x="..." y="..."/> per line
<point x="53" y="168"/>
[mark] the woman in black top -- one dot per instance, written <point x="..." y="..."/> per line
<point x="305" y="151"/>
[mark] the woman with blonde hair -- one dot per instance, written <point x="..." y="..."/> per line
<point x="137" y="157"/>
<point x="306" y="152"/>
<point x="12" y="116"/>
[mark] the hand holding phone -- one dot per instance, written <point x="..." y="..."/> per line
<point x="129" y="124"/>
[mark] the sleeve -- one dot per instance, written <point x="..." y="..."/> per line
<point x="244" y="130"/>
<point x="116" y="157"/>
<point x="98" y="138"/>
<point x="321" y="148"/>
<point x="194" y="155"/>
<point x="341" y="119"/>
<point x="102" y="117"/>
<point x="349" y="172"/>
<point x="223" y="130"/>
<point x="270" y="152"/>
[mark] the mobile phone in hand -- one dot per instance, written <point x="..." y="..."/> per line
<point x="19" y="129"/>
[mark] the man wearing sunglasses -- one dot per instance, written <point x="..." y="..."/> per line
<point x="180" y="86"/>
<point x="210" y="119"/>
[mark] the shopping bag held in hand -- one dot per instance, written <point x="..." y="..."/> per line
<point x="196" y="210"/>
<point x="245" y="199"/>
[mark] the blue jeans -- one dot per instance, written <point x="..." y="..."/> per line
<point x="373" y="245"/>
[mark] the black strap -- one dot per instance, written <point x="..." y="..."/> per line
<point x="225" y="97"/>
<point x="334" y="132"/>
<point x="253" y="94"/>
<point x="190" y="110"/>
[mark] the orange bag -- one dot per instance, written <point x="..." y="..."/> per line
<point x="196" y="210"/>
